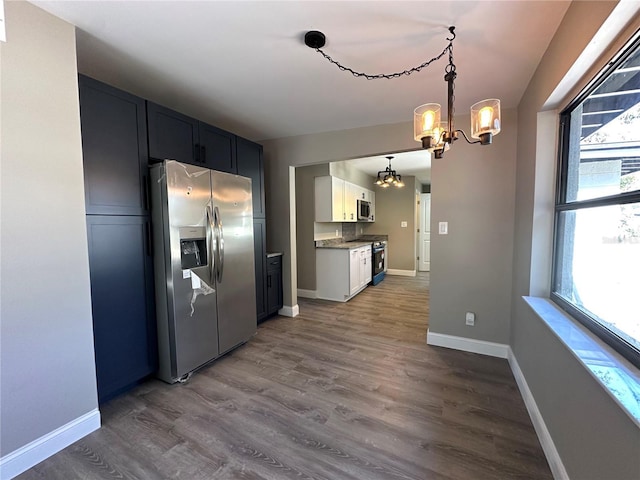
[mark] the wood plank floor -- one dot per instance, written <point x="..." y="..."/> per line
<point x="343" y="391"/>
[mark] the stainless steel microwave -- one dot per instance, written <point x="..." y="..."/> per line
<point x="364" y="210"/>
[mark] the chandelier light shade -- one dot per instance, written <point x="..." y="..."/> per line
<point x="426" y="120"/>
<point x="435" y="136"/>
<point x="388" y="177"/>
<point x="485" y="120"/>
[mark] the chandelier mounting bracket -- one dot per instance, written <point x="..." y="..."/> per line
<point x="315" y="39"/>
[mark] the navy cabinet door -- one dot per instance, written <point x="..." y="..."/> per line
<point x="250" y="164"/>
<point x="217" y="149"/>
<point x="274" y="284"/>
<point x="124" y="326"/>
<point x="260" y="257"/>
<point x="114" y="148"/>
<point x="172" y="135"/>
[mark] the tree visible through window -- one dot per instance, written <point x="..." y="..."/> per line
<point x="597" y="253"/>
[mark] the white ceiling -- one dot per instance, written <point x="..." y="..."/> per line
<point x="416" y="163"/>
<point x="244" y="64"/>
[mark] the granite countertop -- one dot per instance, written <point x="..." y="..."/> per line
<point x="274" y="254"/>
<point x="346" y="245"/>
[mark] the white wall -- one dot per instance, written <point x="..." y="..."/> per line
<point x="47" y="357"/>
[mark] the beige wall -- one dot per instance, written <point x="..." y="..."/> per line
<point x="47" y="357"/>
<point x="305" y="213"/>
<point x="393" y="206"/>
<point x="473" y="189"/>
<point x="592" y="434"/>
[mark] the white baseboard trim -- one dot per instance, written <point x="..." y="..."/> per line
<point x="22" y="459"/>
<point x="402" y="273"/>
<point x="492" y="349"/>
<point x="553" y="457"/>
<point x="307" y="293"/>
<point x="289" y="311"/>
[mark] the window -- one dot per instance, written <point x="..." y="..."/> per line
<point x="597" y="246"/>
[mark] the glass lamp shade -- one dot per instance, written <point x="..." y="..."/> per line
<point x="425" y="119"/>
<point x="485" y="118"/>
<point x="438" y="136"/>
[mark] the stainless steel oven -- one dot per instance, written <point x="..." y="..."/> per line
<point x="378" y="262"/>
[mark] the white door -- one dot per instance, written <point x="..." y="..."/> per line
<point x="424" y="265"/>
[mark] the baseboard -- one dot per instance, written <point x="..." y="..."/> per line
<point x="402" y="273"/>
<point x="24" y="458"/>
<point x="289" y="311"/>
<point x="468" y="344"/>
<point x="307" y="293"/>
<point x="549" y="448"/>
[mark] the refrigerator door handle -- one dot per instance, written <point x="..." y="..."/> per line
<point x="210" y="243"/>
<point x="220" y="243"/>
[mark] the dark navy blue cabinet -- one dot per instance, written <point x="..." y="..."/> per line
<point x="217" y="149"/>
<point x="250" y="164"/>
<point x="115" y="161"/>
<point x="124" y="327"/>
<point x="172" y="135"/>
<point x="175" y="136"/>
<point x="114" y="149"/>
<point x="260" y="259"/>
<point x="274" y="284"/>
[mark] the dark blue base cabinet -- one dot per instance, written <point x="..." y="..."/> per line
<point x="120" y="261"/>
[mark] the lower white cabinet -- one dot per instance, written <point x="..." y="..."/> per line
<point x="342" y="273"/>
<point x="365" y="266"/>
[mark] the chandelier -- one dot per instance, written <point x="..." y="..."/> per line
<point x="436" y="135"/>
<point x="388" y="177"/>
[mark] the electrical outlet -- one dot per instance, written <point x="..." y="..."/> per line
<point x="360" y="229"/>
<point x="337" y="234"/>
<point x="403" y="224"/>
<point x="470" y="319"/>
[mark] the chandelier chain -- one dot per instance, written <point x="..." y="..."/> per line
<point x="448" y="48"/>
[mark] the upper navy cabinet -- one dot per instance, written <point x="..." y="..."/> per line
<point x="172" y="136"/>
<point x="217" y="149"/>
<point x="250" y="164"/>
<point x="175" y="136"/>
<point x="114" y="147"/>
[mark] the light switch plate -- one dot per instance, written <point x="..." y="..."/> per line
<point x="443" y="228"/>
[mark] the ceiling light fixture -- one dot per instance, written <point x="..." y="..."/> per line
<point x="435" y="135"/>
<point x="388" y="177"/>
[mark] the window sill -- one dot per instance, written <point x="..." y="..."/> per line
<point x="619" y="378"/>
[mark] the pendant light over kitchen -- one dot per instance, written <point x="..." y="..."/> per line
<point x="435" y="135"/>
<point x="388" y="177"/>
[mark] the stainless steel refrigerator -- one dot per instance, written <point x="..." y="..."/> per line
<point x="204" y="269"/>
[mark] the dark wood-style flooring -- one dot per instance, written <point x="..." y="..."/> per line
<point x="343" y="391"/>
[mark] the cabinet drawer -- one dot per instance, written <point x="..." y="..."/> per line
<point x="274" y="262"/>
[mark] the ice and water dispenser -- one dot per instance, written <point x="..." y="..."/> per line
<point x="193" y="248"/>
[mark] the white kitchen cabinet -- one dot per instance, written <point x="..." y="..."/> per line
<point x="354" y="271"/>
<point x="351" y="193"/>
<point x="372" y="199"/>
<point x="342" y="273"/>
<point x="329" y="199"/>
<point x="336" y="200"/>
<point x="365" y="266"/>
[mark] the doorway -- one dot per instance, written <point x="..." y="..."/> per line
<point x="424" y="234"/>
